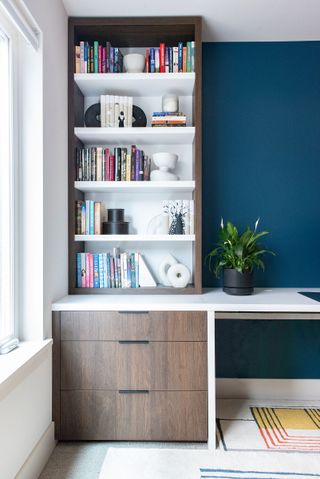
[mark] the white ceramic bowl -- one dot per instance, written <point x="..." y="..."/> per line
<point x="165" y="161"/>
<point x="134" y="62"/>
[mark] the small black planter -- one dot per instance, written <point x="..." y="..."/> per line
<point x="238" y="284"/>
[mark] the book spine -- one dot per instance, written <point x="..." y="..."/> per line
<point x="96" y="56"/>
<point x="180" y="57"/>
<point x="123" y="164"/>
<point x="82" y="57"/>
<point x="83" y="270"/>
<point x="85" y="55"/>
<point x="101" y="273"/>
<point x="87" y="270"/>
<point x="91" y="60"/>
<point x="162" y="57"/>
<point x="193" y="53"/>
<point x="91" y="218"/>
<point x="167" y="60"/>
<point x="175" y="59"/>
<point x="157" y="59"/>
<point x="97" y="218"/>
<point x="128" y="171"/>
<point x="133" y="162"/>
<point x="188" y="56"/>
<point x="108" y="45"/>
<point x="108" y="270"/>
<point x="152" y="61"/>
<point x="83" y="218"/>
<point x="90" y="273"/>
<point x="107" y="164"/>
<point x="87" y="217"/>
<point x="147" y="66"/>
<point x="118" y="164"/>
<point x="111" y="64"/>
<point x="105" y="272"/>
<point x="78" y="217"/>
<point x="99" y="157"/>
<point x="112" y="273"/>
<point x="146" y="173"/>
<point x="136" y="262"/>
<point x="171" y="60"/>
<point x="99" y="59"/>
<point x="184" y="60"/>
<point x="116" y="60"/>
<point x="137" y="172"/>
<point x="78" y="277"/>
<point x="103" y="62"/>
<point x="141" y="166"/>
<point x="96" y="282"/>
<point x="112" y="168"/>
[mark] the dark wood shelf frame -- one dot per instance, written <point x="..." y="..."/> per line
<point x="133" y="32"/>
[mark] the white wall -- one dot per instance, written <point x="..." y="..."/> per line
<point x="25" y="416"/>
<point x="53" y="22"/>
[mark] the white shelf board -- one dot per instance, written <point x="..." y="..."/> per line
<point x="135" y="238"/>
<point x="135" y="84"/>
<point x="133" y="186"/>
<point x="144" y="136"/>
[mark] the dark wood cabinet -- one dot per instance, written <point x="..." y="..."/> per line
<point x="130" y="376"/>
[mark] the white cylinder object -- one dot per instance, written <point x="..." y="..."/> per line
<point x="178" y="275"/>
<point x="170" y="103"/>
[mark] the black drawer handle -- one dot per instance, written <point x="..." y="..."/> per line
<point x="133" y="341"/>
<point x="133" y="391"/>
<point x="133" y="312"/>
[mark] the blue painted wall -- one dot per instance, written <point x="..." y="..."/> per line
<point x="261" y="158"/>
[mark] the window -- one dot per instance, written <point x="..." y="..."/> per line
<point x="7" y="204"/>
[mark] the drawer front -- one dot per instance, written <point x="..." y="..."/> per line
<point x="152" y="326"/>
<point x="129" y="365"/>
<point x="88" y="415"/>
<point x="148" y="416"/>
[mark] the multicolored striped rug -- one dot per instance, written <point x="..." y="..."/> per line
<point x="272" y="428"/>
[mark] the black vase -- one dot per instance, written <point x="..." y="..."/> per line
<point x="238" y="284"/>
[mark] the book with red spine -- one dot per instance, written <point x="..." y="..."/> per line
<point x="112" y="168"/>
<point x="162" y="58"/>
<point x="103" y="61"/>
<point x="147" y="60"/>
<point x="107" y="164"/>
<point x="99" y="58"/>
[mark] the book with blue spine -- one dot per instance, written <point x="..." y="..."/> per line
<point x="152" y="61"/>
<point x="101" y="273"/>
<point x="78" y="270"/>
<point x="109" y="285"/>
<point x="96" y="282"/>
<point x="96" y="57"/>
<point x="180" y="57"/>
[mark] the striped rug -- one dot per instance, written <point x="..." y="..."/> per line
<point x="270" y="428"/>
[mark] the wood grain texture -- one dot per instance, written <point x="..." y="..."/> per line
<point x="56" y="377"/>
<point x="153" y="366"/>
<point x="153" y="416"/>
<point x="88" y="415"/>
<point x="151" y="326"/>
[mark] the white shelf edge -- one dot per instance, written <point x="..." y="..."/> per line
<point x="135" y="76"/>
<point x="137" y="237"/>
<point x="151" y="186"/>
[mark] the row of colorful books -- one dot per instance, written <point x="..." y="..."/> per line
<point x="162" y="118"/>
<point x="106" y="270"/>
<point x="115" y="111"/>
<point x="180" y="214"/>
<point x="98" y="58"/>
<point x="99" y="164"/>
<point x="179" y="59"/>
<point x="89" y="217"/>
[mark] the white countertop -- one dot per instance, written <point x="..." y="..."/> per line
<point x="276" y="299"/>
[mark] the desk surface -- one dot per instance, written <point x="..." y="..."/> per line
<point x="276" y="299"/>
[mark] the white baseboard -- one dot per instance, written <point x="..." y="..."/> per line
<point x="38" y="458"/>
<point x="290" y="389"/>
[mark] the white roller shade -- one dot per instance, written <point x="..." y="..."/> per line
<point x="19" y="17"/>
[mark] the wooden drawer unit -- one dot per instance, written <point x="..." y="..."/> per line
<point x="124" y="365"/>
<point x="140" y="325"/>
<point x="141" y="416"/>
<point x="130" y="375"/>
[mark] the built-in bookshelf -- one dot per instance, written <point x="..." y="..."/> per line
<point x="141" y="200"/>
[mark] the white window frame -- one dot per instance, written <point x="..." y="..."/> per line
<point x="10" y="32"/>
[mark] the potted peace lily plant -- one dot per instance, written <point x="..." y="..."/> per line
<point x="237" y="255"/>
